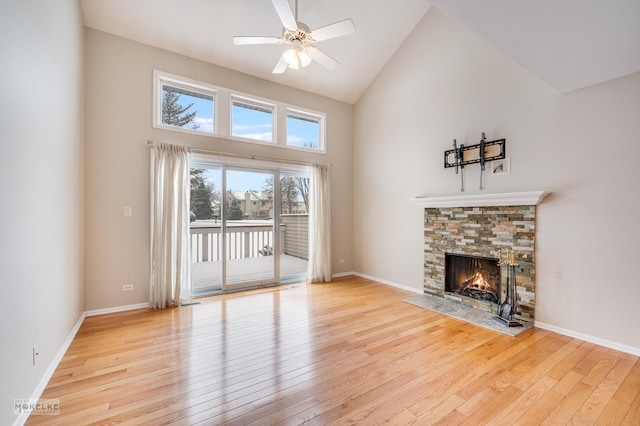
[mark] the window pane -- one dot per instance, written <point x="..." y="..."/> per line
<point x="252" y="121"/>
<point x="206" y="239"/>
<point x="303" y="132"/>
<point x="187" y="108"/>
<point x="294" y="226"/>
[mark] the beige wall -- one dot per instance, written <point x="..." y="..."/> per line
<point x="118" y="122"/>
<point x="589" y="229"/>
<point x="41" y="188"/>
<point x="445" y="83"/>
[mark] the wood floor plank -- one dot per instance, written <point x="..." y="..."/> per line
<point x="346" y="352"/>
<point x="570" y="361"/>
<point x="402" y="418"/>
<point x="489" y="404"/>
<point x="590" y="411"/>
<point x="538" y="412"/>
<point x="633" y="413"/>
<point x="569" y="406"/>
<point x="523" y="403"/>
<point x="629" y="390"/>
<point x="613" y="414"/>
<point x="437" y="412"/>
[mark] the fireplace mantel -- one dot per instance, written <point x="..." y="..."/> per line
<point x="532" y="198"/>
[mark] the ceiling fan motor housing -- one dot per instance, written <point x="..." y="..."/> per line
<point x="301" y="35"/>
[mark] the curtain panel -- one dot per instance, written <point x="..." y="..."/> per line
<point x="170" y="281"/>
<point x="319" y="225"/>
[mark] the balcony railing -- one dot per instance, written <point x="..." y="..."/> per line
<point x="248" y="238"/>
<point x="244" y="239"/>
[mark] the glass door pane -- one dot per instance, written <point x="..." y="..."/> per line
<point x="249" y="228"/>
<point x="294" y="226"/>
<point x="206" y="238"/>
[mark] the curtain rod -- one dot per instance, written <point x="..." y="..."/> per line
<point x="247" y="156"/>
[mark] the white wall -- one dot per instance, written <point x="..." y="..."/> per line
<point x="119" y="122"/>
<point x="445" y="83"/>
<point x="41" y="188"/>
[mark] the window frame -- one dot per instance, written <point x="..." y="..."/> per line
<point x="223" y="116"/>
<point x="160" y="79"/>
<point x="318" y="117"/>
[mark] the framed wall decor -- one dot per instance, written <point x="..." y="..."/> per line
<point x="501" y="167"/>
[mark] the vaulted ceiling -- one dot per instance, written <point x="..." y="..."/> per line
<point x="568" y="43"/>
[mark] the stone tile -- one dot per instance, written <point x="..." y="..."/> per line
<point x="464" y="313"/>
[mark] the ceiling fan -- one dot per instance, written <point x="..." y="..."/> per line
<point x="299" y="39"/>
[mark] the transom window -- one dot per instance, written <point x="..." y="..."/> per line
<point x="252" y="119"/>
<point x="184" y="105"/>
<point x="303" y="130"/>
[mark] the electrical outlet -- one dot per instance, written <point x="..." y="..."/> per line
<point x="127" y="287"/>
<point x="128" y="212"/>
<point x="340" y="260"/>
<point x="34" y="354"/>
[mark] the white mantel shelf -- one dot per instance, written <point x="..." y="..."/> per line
<point x="532" y="198"/>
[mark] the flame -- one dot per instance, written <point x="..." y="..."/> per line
<point x="478" y="281"/>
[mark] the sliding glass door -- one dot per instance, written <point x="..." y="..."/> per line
<point x="249" y="226"/>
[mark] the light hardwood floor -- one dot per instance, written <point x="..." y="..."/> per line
<point x="349" y="352"/>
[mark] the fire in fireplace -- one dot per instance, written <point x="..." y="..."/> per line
<point x="472" y="276"/>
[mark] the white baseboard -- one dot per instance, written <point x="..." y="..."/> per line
<point x="22" y="418"/>
<point x="390" y="283"/>
<point x="116" y="309"/>
<point x="342" y="274"/>
<point x="588" y="338"/>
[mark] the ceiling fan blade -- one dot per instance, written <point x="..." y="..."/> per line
<point x="241" y="40"/>
<point x="322" y="58"/>
<point x="281" y="66"/>
<point x="283" y="9"/>
<point x="334" y="30"/>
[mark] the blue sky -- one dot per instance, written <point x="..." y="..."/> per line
<point x="236" y="180"/>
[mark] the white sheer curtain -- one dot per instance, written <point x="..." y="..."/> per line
<point x="170" y="281"/>
<point x="319" y="225"/>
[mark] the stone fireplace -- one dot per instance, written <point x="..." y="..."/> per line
<point x="478" y="227"/>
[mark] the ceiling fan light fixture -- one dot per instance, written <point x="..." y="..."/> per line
<point x="305" y="59"/>
<point x="291" y="58"/>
